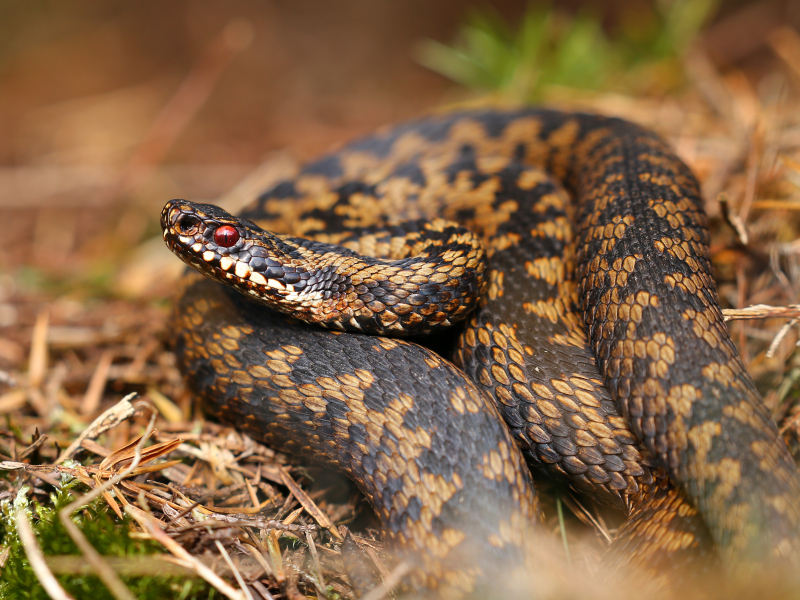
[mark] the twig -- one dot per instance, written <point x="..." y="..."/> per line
<point x="232" y="567"/>
<point x="392" y="580"/>
<point x="762" y="311"/>
<point x="115" y="415"/>
<point x="223" y="521"/>
<point x="33" y="447"/>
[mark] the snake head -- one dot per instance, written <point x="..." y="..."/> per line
<point x="331" y="285"/>
<point x="229" y="249"/>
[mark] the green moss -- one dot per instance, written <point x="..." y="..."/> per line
<point x="103" y="530"/>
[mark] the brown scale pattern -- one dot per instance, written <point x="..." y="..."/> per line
<point x="659" y="537"/>
<point x="653" y="381"/>
<point x="653" y="316"/>
<point x="429" y="451"/>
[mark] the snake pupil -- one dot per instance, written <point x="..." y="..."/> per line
<point x="226" y="236"/>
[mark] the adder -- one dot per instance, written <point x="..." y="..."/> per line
<point x="597" y="337"/>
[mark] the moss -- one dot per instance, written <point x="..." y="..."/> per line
<point x="103" y="530"/>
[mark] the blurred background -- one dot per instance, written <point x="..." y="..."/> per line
<point x="107" y="109"/>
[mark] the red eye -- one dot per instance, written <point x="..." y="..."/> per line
<point x="226" y="236"/>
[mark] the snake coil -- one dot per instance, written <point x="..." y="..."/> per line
<point x="599" y="340"/>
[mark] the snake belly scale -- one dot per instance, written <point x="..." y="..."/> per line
<point x="599" y="340"/>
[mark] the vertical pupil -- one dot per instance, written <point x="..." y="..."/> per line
<point x="226" y="236"/>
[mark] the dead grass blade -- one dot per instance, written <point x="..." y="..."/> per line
<point x="151" y="565"/>
<point x="308" y="504"/>
<point x="36" y="558"/>
<point x="394" y="578"/>
<point x="762" y="311"/>
<point x="121" y="411"/>
<point x="226" y="557"/>
<point x="153" y="527"/>
<point x="106" y="574"/>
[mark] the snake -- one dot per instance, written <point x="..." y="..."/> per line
<point x="568" y="254"/>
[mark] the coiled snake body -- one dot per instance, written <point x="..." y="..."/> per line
<point x="599" y="340"/>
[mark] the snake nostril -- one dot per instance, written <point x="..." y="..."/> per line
<point x="226" y="236"/>
<point x="187" y="224"/>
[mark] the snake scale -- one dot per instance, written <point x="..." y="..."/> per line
<point x="598" y="338"/>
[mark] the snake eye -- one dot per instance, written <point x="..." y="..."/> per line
<point x="187" y="224"/>
<point x="226" y="236"/>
